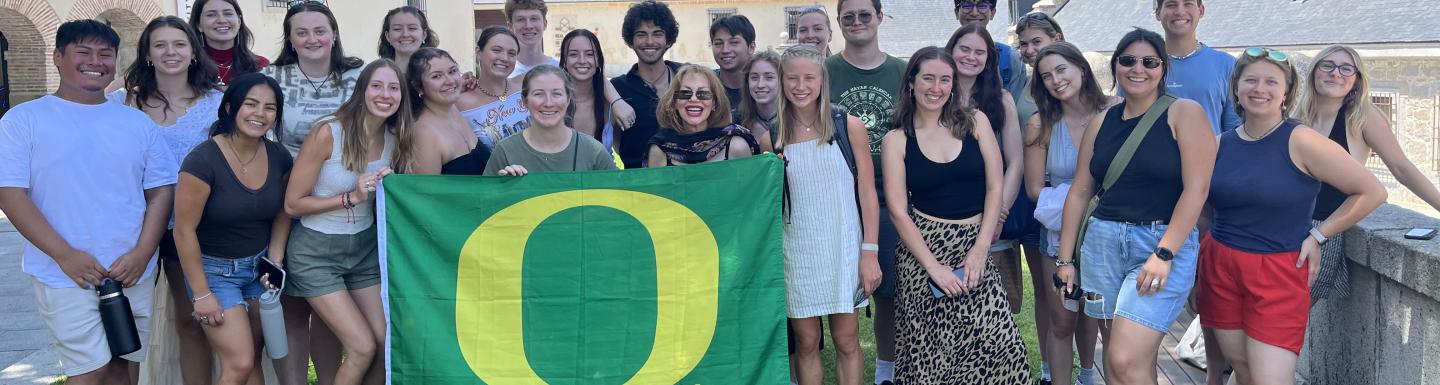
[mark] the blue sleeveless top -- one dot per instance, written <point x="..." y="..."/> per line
<point x="1262" y="202"/>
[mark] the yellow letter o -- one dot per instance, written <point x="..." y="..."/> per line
<point x="488" y="309"/>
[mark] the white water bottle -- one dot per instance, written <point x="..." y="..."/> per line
<point x="272" y="325"/>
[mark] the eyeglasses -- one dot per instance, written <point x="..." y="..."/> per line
<point x="1330" y="67"/>
<point x="1275" y="55"/>
<point x="973" y="6"/>
<point x="850" y="18"/>
<point x="1035" y="16"/>
<point x="1150" y="62"/>
<point x="702" y="95"/>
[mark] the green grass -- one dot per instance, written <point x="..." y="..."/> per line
<point x="1025" y="320"/>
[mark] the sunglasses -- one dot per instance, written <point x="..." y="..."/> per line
<point x="970" y="7"/>
<point x="1276" y="55"/>
<point x="702" y="95"/>
<point x="863" y="17"/>
<point x="1150" y="62"/>
<point x="1345" y="70"/>
<point x="1035" y="16"/>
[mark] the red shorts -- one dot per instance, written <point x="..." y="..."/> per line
<point x="1262" y="294"/>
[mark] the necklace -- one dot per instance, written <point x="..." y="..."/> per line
<point x="807" y="127"/>
<point x="1267" y="132"/>
<point x="651" y="83"/>
<point x="1198" y="44"/>
<point x="504" y="91"/>
<point x="244" y="165"/>
<point x="224" y="69"/>
<point x="312" y="83"/>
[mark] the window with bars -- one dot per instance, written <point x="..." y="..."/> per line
<point x="1387" y="103"/>
<point x="792" y="22"/>
<point x="717" y="13"/>
<point x="286" y="4"/>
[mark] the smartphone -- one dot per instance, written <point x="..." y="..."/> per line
<point x="1420" y="233"/>
<point x="276" y="273"/>
<point x="935" y="290"/>
<point x="1060" y="284"/>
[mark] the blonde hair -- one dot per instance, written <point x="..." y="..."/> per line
<point x="719" y="116"/>
<point x="1292" y="80"/>
<point x="823" y="124"/>
<point x="351" y="116"/>
<point x="1356" y="103"/>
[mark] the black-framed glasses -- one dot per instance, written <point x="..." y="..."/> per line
<point x="702" y="95"/>
<point x="1276" y="55"/>
<point x="1150" y="62"/>
<point x="1330" y="67"/>
<point x="863" y="17"/>
<point x="971" y="6"/>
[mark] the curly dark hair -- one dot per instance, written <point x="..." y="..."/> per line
<point x="651" y="11"/>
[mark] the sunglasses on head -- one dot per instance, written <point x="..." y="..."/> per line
<point x="298" y="3"/>
<point x="696" y="95"/>
<point x="1035" y="16"/>
<point x="1150" y="62"/>
<point x="1276" y="55"/>
<point x="973" y="6"/>
<point x="863" y="17"/>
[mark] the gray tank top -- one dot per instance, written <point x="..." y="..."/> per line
<point x="335" y="180"/>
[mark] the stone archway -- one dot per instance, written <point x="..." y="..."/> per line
<point x="29" y="26"/>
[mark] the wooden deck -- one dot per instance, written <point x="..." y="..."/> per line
<point x="1170" y="371"/>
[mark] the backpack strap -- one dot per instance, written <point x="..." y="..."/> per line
<point x="842" y="137"/>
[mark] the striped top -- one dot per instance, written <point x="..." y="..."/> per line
<point x="822" y="232"/>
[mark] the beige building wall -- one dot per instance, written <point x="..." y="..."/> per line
<point x="360" y="27"/>
<point x="605" y="19"/>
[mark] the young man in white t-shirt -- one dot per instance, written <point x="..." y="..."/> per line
<point x="527" y="20"/>
<point x="88" y="184"/>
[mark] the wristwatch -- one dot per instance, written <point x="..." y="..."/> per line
<point x="1164" y="253"/>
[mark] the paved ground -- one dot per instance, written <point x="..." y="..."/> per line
<point x="24" y="343"/>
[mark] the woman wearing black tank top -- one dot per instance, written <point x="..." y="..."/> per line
<point x="1139" y="251"/>
<point x="1336" y="103"/>
<point x="969" y="335"/>
<point x="444" y="142"/>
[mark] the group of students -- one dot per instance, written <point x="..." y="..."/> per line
<point x="904" y="181"/>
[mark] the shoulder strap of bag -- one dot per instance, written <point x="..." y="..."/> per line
<point x="1127" y="150"/>
<point x="842" y="137"/>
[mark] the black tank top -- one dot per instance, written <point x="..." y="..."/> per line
<point x="1330" y="198"/>
<point x="1151" y="184"/>
<point x="954" y="190"/>
<point x="472" y="163"/>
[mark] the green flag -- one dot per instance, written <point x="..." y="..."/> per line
<point x="651" y="276"/>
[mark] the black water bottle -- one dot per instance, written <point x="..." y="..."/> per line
<point x="119" y="322"/>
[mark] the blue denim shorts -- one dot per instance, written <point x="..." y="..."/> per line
<point x="233" y="280"/>
<point x="1111" y="258"/>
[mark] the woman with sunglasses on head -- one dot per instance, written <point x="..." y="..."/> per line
<point x="1069" y="102"/>
<point x="404" y="31"/>
<point x="1036" y="30"/>
<point x="943" y="180"/>
<point x="1262" y="253"/>
<point x="444" y="143"/>
<point x="978" y="83"/>
<point x="695" y="124"/>
<point x="316" y="77"/>
<point x="495" y="109"/>
<point x="831" y="218"/>
<point x="333" y="253"/>
<point x="549" y="144"/>
<point x="1336" y="103"/>
<point x="229" y="219"/>
<point x="226" y="38"/>
<point x="760" y="98"/>
<point x="1139" y="248"/>
<point x="174" y="83"/>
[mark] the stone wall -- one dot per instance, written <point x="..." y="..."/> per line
<point x="1388" y="330"/>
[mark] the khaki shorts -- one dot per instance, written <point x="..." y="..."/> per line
<point x="320" y="264"/>
<point x="73" y="316"/>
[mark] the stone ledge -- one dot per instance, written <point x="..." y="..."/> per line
<point x="1379" y="243"/>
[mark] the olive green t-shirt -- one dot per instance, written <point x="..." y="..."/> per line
<point x="870" y="96"/>
<point x="583" y="154"/>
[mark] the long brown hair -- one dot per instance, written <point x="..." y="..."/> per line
<point x="824" y="126"/>
<point x="245" y="60"/>
<point x="431" y="40"/>
<point x="140" y="82"/>
<point x="1051" y="110"/>
<point x="749" y="109"/>
<point x="351" y="116"/>
<point x="1356" y="103"/>
<point x="953" y="115"/>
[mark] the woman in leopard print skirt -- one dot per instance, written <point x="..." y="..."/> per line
<point x="944" y="159"/>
